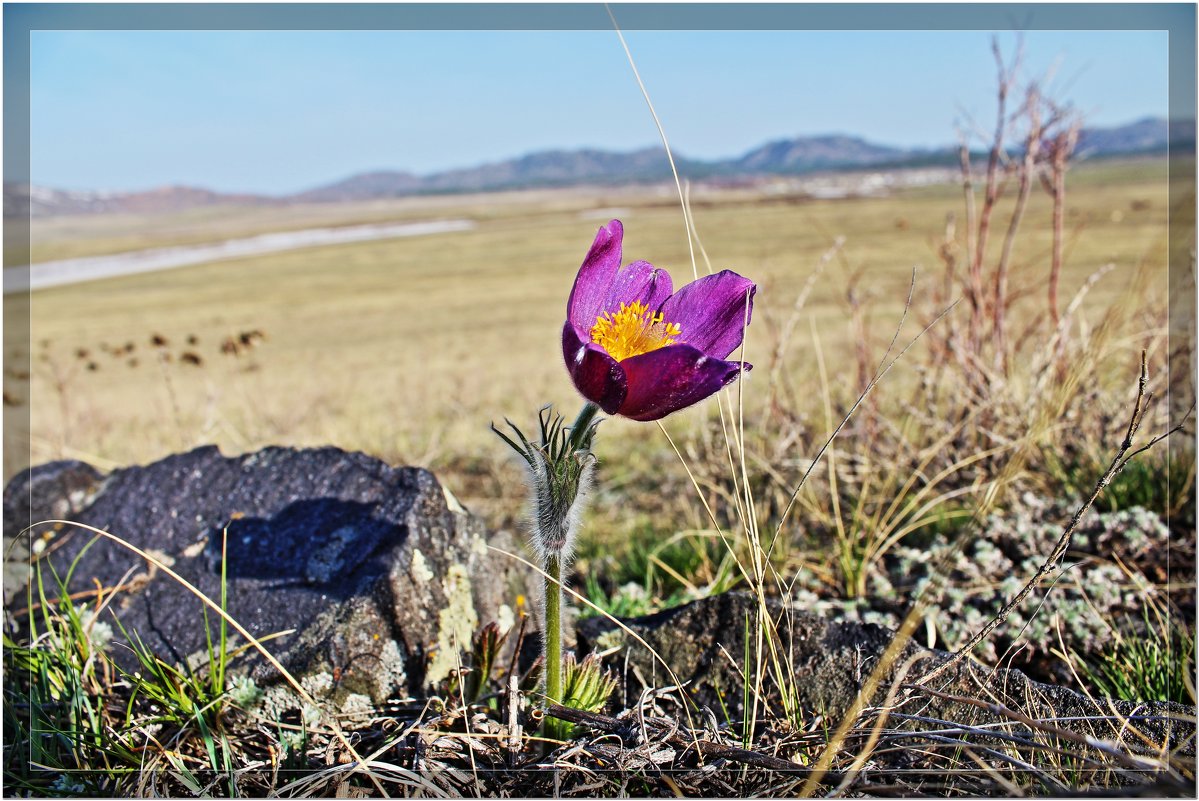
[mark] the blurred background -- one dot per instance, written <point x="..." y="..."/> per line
<point x="510" y="148"/>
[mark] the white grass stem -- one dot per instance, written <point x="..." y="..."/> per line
<point x="661" y="132"/>
<point x="845" y="420"/>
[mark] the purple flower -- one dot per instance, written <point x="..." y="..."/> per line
<point x="636" y="348"/>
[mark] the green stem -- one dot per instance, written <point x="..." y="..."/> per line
<point x="553" y="636"/>
<point x="580" y="440"/>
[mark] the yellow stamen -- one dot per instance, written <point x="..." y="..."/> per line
<point x="632" y="331"/>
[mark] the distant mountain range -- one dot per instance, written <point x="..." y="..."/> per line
<point x="560" y="168"/>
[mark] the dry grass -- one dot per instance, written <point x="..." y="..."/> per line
<point x="406" y="348"/>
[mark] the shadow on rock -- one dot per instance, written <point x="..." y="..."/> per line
<point x="308" y="543"/>
<point x="340" y="552"/>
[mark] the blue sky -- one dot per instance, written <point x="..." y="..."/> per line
<point x="281" y="111"/>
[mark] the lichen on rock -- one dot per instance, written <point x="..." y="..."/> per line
<point x="456" y="623"/>
<point x="420" y="568"/>
<point x="366" y="569"/>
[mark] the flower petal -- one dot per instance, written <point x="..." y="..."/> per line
<point x="672" y="378"/>
<point x="711" y="311"/>
<point x="595" y="277"/>
<point x="637" y="281"/>
<point x="597" y="376"/>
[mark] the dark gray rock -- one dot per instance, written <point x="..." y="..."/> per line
<point x="56" y="490"/>
<point x="703" y="644"/>
<point x="376" y="572"/>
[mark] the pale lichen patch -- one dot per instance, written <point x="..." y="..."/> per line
<point x="478" y="546"/>
<point x="611" y="640"/>
<point x="317" y="684"/>
<point x="281" y="698"/>
<point x="457" y="622"/>
<point x="356" y="708"/>
<point x="392" y="664"/>
<point x="452" y="502"/>
<point x="420" y="567"/>
<point x="277" y="700"/>
<point x="505" y="617"/>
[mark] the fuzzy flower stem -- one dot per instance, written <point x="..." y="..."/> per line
<point x="560" y="467"/>
<point x="553" y="632"/>
<point x="580" y="440"/>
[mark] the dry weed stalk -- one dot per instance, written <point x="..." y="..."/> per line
<point x="1032" y="144"/>
<point x="993" y="188"/>
<point x="1046" y="145"/>
<point x="1058" y="150"/>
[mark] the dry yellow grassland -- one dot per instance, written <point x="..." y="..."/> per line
<point x="407" y="348"/>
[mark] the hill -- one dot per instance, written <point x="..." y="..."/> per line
<point x="558" y="168"/>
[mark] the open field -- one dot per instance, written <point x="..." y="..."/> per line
<point x="934" y="506"/>
<point x="940" y="539"/>
<point x="407" y="348"/>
